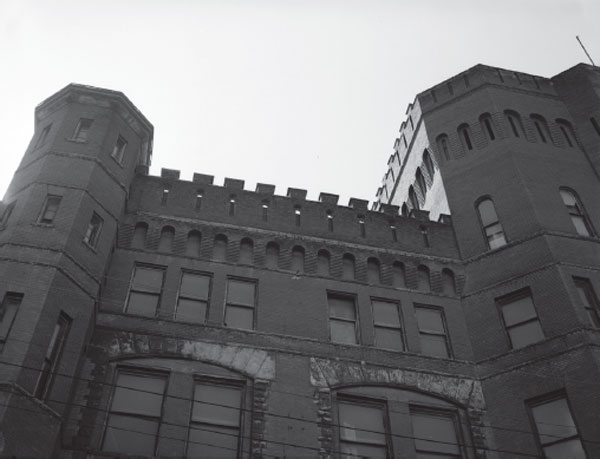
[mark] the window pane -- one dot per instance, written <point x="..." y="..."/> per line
<point x="554" y="421"/>
<point x="212" y="441"/>
<point x="138" y="394"/>
<point x="194" y="286"/>
<point x="434" y="433"/>
<point x="434" y="345"/>
<point x="240" y="292"/>
<point x="430" y="320"/>
<point x="389" y="338"/>
<point x="342" y="332"/>
<point x="191" y="310"/>
<point x="147" y="279"/>
<point x="130" y="435"/>
<point x="362" y="424"/>
<point x="239" y="317"/>
<point x="582" y="290"/>
<point x="580" y="226"/>
<point x="353" y="451"/>
<point x="518" y="311"/>
<point x="568" y="198"/>
<point x="342" y="308"/>
<point x="7" y="314"/>
<point x="525" y="334"/>
<point x="142" y="303"/>
<point x="571" y="449"/>
<point x="386" y="313"/>
<point x="487" y="212"/>
<point x="211" y="405"/>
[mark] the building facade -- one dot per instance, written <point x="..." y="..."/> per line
<point x="458" y="317"/>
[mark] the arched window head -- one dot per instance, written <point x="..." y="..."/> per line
<point x="398" y="274"/>
<point x="487" y="126"/>
<point x="373" y="271"/>
<point x="576" y="212"/>
<point x="423" y="279"/>
<point x="443" y="146"/>
<point x="323" y="263"/>
<point x="348" y="267"/>
<point x="464" y="133"/>
<point x="428" y="164"/>
<point x="298" y="259"/>
<point x="541" y="128"/>
<point x="166" y="239"/>
<point x="515" y="123"/>
<point x="192" y="247"/>
<point x="220" y="248"/>
<point x="272" y="255"/>
<point x="567" y="132"/>
<point x="448" y="282"/>
<point x="246" y="251"/>
<point x="491" y="226"/>
<point x="412" y="198"/>
<point x="139" y="235"/>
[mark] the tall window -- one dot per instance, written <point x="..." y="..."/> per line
<point x="516" y="125"/>
<point x="232" y="205"/>
<point x="342" y="319"/>
<point x="487" y="125"/>
<point x="215" y="419"/>
<point x="165" y="243"/>
<point x="8" y="311"/>
<point x="82" y="130"/>
<point x="448" y="282"/>
<point x="421" y="185"/>
<point x="432" y="331"/>
<point x="298" y="259"/>
<point x="388" y="325"/>
<point x="139" y="235"/>
<point x="398" y="274"/>
<point x="272" y="255"/>
<point x="241" y="299"/>
<point x="424" y="284"/>
<point x="43" y="135"/>
<point x="145" y="290"/>
<point x="589" y="299"/>
<point x="265" y="210"/>
<point x="348" y="266"/>
<point x="541" y="127"/>
<point x="297" y="215"/>
<point x="520" y="319"/>
<point x="92" y="234"/>
<point x="435" y="433"/>
<point x="53" y="352"/>
<point x="361" y="225"/>
<point x="329" y="220"/>
<point x="464" y="133"/>
<point x="373" y="271"/>
<point x="576" y="212"/>
<point x="412" y="198"/>
<point x="443" y="146"/>
<point x="492" y="228"/>
<point x="192" y="246"/>
<point x="50" y="209"/>
<point x="119" y="149"/>
<point x="362" y="428"/>
<point x="220" y="248"/>
<point x="192" y="303"/>
<point x="428" y="164"/>
<point x="323" y="263"/>
<point x="135" y="411"/>
<point x="246" y="251"/>
<point x="556" y="431"/>
<point x="567" y="132"/>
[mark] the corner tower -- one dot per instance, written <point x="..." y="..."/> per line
<point x="59" y="226"/>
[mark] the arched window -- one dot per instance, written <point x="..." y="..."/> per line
<point x="487" y="126"/>
<point x="541" y="127"/>
<point x="404" y="210"/>
<point x="422" y="186"/>
<point x="567" y="132"/>
<point x="448" y="282"/>
<point x="412" y="197"/>
<point x="373" y="271"/>
<point x="192" y="247"/>
<point x="298" y="259"/>
<point x="165" y="243"/>
<point x="220" y="248"/>
<point x="348" y="266"/>
<point x="516" y="125"/>
<point x="464" y="133"/>
<point x="246" y="251"/>
<point x="272" y="255"/>
<point x="398" y="274"/>
<point x="428" y="164"/>
<point x="423" y="281"/>
<point x="443" y="146"/>
<point x="323" y="262"/>
<point x="490" y="224"/>
<point x="576" y="212"/>
<point x="139" y="235"/>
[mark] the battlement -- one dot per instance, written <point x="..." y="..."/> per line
<point x="168" y="197"/>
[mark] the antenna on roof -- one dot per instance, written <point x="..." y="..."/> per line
<point x="585" y="50"/>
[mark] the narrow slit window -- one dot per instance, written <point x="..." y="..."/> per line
<point x="297" y="215"/>
<point x="361" y="226"/>
<point x="516" y="125"/>
<point x="199" y="195"/>
<point x="464" y="132"/>
<point x="265" y="210"/>
<point x="442" y="143"/>
<point x="232" y="205"/>
<point x="541" y="127"/>
<point x="487" y="125"/>
<point x="329" y="220"/>
<point x="165" y="195"/>
<point x="595" y="125"/>
<point x="52" y="356"/>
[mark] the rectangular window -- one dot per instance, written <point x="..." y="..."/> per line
<point x="42" y="138"/>
<point x="589" y="299"/>
<point x="135" y="411"/>
<point x="53" y="352"/>
<point x="82" y="130"/>
<point x="144" y="293"/>
<point x="8" y="311"/>
<point x="215" y="420"/>
<point x="362" y="428"/>
<point x="388" y="325"/>
<point x="432" y="331"/>
<point x="192" y="302"/>
<point x="92" y="233"/>
<point x="556" y="430"/>
<point x="435" y="433"/>
<point x="50" y="209"/>
<point x="342" y="319"/>
<point x="119" y="149"/>
<point x="241" y="297"/>
<point x="520" y="319"/>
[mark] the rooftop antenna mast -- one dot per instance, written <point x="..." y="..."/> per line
<point x="585" y="51"/>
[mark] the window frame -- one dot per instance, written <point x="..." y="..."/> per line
<point x="118" y="153"/>
<point x="451" y="414"/>
<point x="484" y="228"/>
<point x="400" y="327"/>
<point x="14" y="299"/>
<point x="577" y="211"/>
<point x="238" y="305"/>
<point x="446" y="334"/>
<point x="346" y="296"/>
<point x="43" y="136"/>
<point x="195" y="300"/>
<point x="510" y="298"/>
<point x="46" y="207"/>
<point x="53" y="355"/>
<point x="92" y="233"/>
<point x="83" y="125"/>
<point x="587" y="287"/>
<point x="163" y="270"/>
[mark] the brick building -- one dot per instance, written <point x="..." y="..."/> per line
<point x="458" y="317"/>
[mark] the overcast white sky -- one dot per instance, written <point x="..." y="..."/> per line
<point x="305" y="94"/>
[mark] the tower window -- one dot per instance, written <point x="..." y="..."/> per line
<point x="442" y="143"/>
<point x="388" y="325"/>
<point x="492" y="228"/>
<point x="119" y="149"/>
<point x="8" y="312"/>
<point x="576" y="212"/>
<point x="342" y="319"/>
<point x="50" y="209"/>
<point x="541" y="127"/>
<point x="567" y="132"/>
<point x="589" y="299"/>
<point x="329" y="220"/>
<point x="297" y="215"/>
<point x="232" y="205"/>
<point x="43" y="135"/>
<point x="7" y="211"/>
<point x="487" y="125"/>
<point x="464" y="132"/>
<point x="361" y="225"/>
<point x="596" y="125"/>
<point x="516" y="125"/>
<point x="53" y="352"/>
<point x="199" y="195"/>
<point x="265" y="210"/>
<point x="432" y="331"/>
<point x="520" y="319"/>
<point x="92" y="233"/>
<point x="192" y="303"/>
<point x="165" y="195"/>
<point x="145" y="290"/>
<point x="82" y="130"/>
